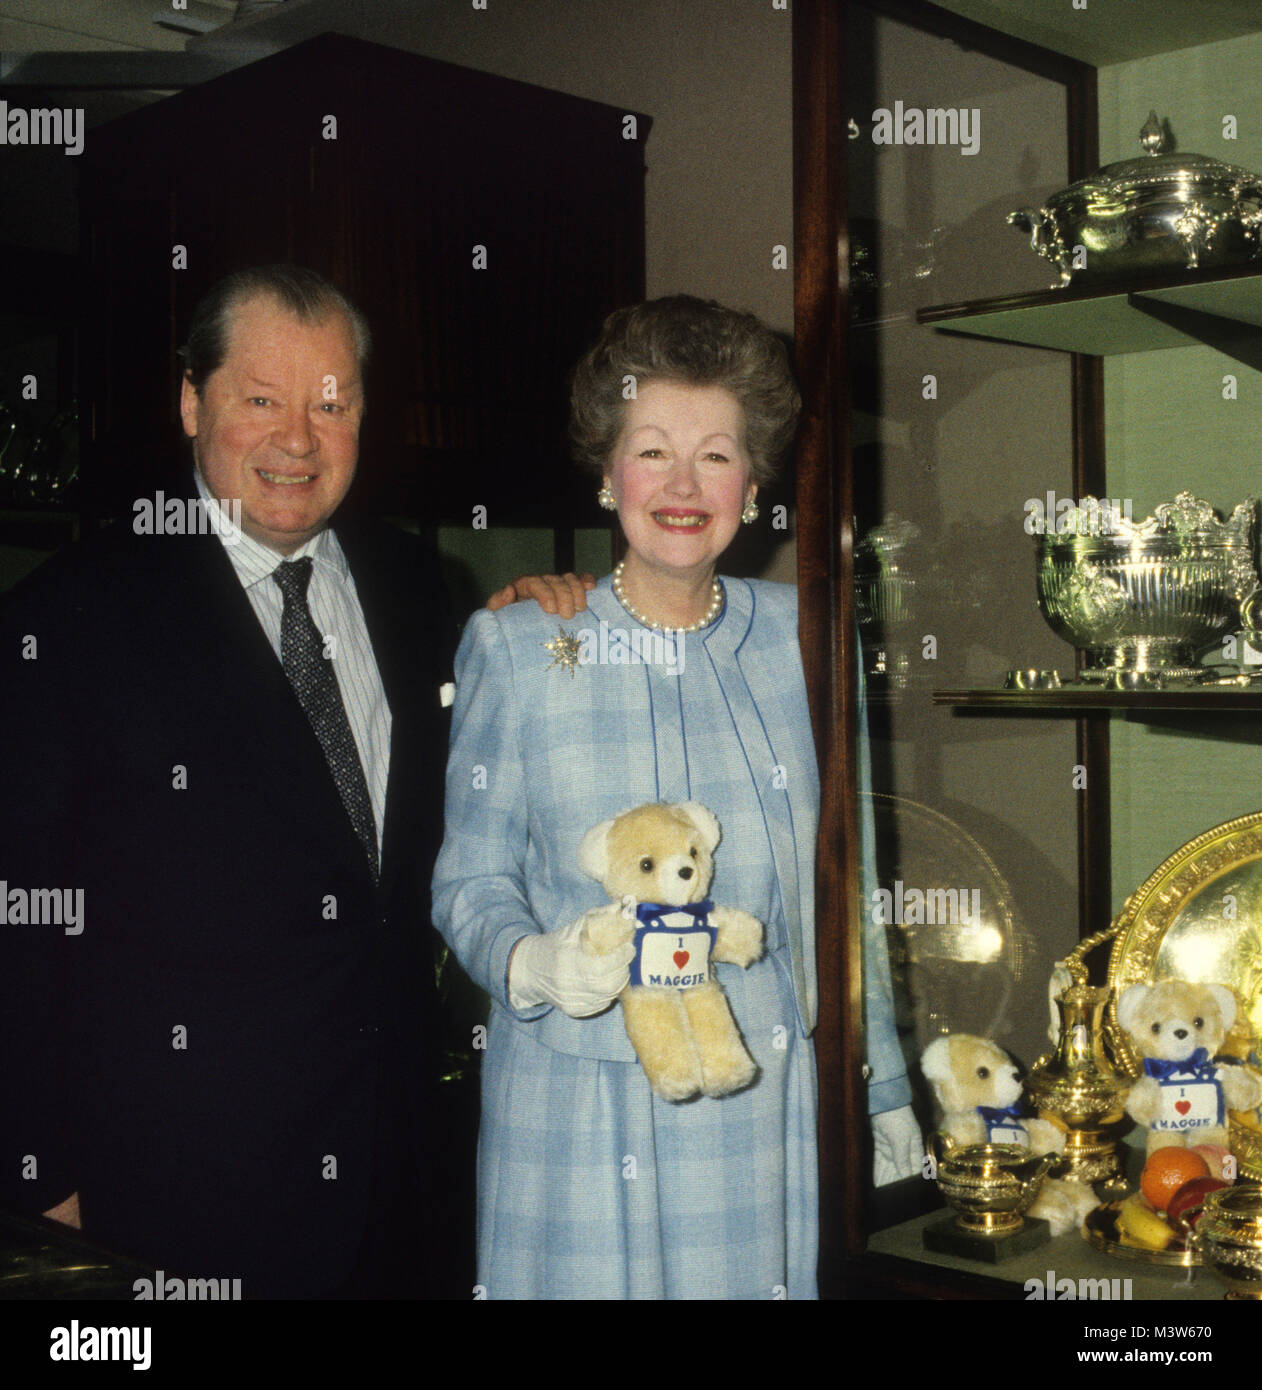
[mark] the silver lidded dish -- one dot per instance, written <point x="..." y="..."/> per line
<point x="1142" y="599"/>
<point x="1159" y="213"/>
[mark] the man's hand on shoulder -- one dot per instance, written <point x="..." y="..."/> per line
<point x="562" y="594"/>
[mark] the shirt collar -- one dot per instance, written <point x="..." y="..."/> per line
<point x="254" y="562"/>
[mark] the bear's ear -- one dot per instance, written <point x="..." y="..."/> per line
<point x="1132" y="999"/>
<point x="593" y="853"/>
<point x="705" y="820"/>
<point x="935" y="1060"/>
<point x="1226" y="1001"/>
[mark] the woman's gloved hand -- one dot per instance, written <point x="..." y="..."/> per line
<point x="554" y="968"/>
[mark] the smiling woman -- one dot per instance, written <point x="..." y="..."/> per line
<point x="680" y="478"/>
<point x="590" y="1184"/>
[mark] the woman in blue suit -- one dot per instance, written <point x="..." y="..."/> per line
<point x="589" y="1184"/>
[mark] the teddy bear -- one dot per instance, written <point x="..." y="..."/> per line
<point x="977" y="1086"/>
<point x="657" y="862"/>
<point x="1184" y="1094"/>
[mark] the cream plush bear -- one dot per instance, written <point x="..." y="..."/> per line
<point x="1184" y="1095"/>
<point x="656" y="861"/>
<point x="978" y="1089"/>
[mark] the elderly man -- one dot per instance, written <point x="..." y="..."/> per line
<point x="228" y="751"/>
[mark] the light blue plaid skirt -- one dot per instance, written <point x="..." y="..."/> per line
<point x="592" y="1187"/>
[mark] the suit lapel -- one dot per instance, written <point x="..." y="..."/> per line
<point x="400" y="632"/>
<point x="230" y="643"/>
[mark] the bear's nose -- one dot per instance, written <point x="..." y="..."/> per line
<point x="1180" y="1033"/>
<point x="686" y="872"/>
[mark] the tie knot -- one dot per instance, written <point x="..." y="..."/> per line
<point x="293" y="576"/>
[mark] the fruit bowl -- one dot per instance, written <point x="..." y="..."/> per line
<point x="1100" y="1230"/>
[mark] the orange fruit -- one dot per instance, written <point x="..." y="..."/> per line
<point x="1166" y="1171"/>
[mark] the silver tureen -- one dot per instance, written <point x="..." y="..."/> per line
<point x="1161" y="212"/>
<point x="1143" y="598"/>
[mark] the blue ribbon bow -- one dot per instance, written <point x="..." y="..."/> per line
<point x="650" y="914"/>
<point x="1197" y="1067"/>
<point x="996" y="1115"/>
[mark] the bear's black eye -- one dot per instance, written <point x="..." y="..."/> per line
<point x="983" y="1072"/>
<point x="693" y="851"/>
<point x="1198" y="1023"/>
<point x="646" y="865"/>
<point x="1156" y="1028"/>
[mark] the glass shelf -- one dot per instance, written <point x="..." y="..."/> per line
<point x="1075" y="699"/>
<point x="1216" y="307"/>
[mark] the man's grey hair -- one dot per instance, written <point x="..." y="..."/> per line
<point x="304" y="293"/>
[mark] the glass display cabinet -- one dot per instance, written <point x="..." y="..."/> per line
<point x="962" y="391"/>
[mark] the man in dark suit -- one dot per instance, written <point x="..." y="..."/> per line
<point x="227" y="750"/>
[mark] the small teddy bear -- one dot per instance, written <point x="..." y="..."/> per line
<point x="978" y="1088"/>
<point x="1184" y="1094"/>
<point x="657" y="861"/>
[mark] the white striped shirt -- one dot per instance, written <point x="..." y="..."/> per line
<point x="337" y="614"/>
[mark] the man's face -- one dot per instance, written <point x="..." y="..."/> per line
<point x="277" y="424"/>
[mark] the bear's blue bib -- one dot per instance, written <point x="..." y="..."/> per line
<point x="1191" y="1094"/>
<point x="673" y="945"/>
<point x="1004" y="1126"/>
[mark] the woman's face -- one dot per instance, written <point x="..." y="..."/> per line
<point x="680" y="474"/>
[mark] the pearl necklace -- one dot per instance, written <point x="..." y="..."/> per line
<point x="715" y="608"/>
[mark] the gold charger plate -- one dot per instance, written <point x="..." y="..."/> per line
<point x="1100" y="1230"/>
<point x="1199" y="918"/>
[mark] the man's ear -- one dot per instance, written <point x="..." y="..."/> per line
<point x="189" y="404"/>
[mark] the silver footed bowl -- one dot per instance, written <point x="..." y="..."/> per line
<point x="1143" y="599"/>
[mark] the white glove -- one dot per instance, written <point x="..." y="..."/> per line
<point x="553" y="968"/>
<point x="899" y="1149"/>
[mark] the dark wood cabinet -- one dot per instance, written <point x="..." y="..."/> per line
<point x="1018" y="419"/>
<point x="485" y="226"/>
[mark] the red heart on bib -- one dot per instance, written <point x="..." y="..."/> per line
<point x="681" y="959"/>
<point x="1183" y="1106"/>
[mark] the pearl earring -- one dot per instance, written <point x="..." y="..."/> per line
<point x="606" y="499"/>
<point x="750" y="514"/>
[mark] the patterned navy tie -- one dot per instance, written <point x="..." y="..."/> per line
<point x="313" y="680"/>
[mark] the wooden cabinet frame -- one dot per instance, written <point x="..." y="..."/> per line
<point x="825" y="505"/>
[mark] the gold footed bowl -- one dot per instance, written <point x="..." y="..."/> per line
<point x="1229" y="1239"/>
<point x="989" y="1186"/>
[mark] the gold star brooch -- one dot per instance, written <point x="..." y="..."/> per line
<point x="565" y="648"/>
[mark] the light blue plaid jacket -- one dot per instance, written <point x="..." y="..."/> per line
<point x="540" y="755"/>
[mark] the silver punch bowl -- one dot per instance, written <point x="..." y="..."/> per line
<point x="1143" y="599"/>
